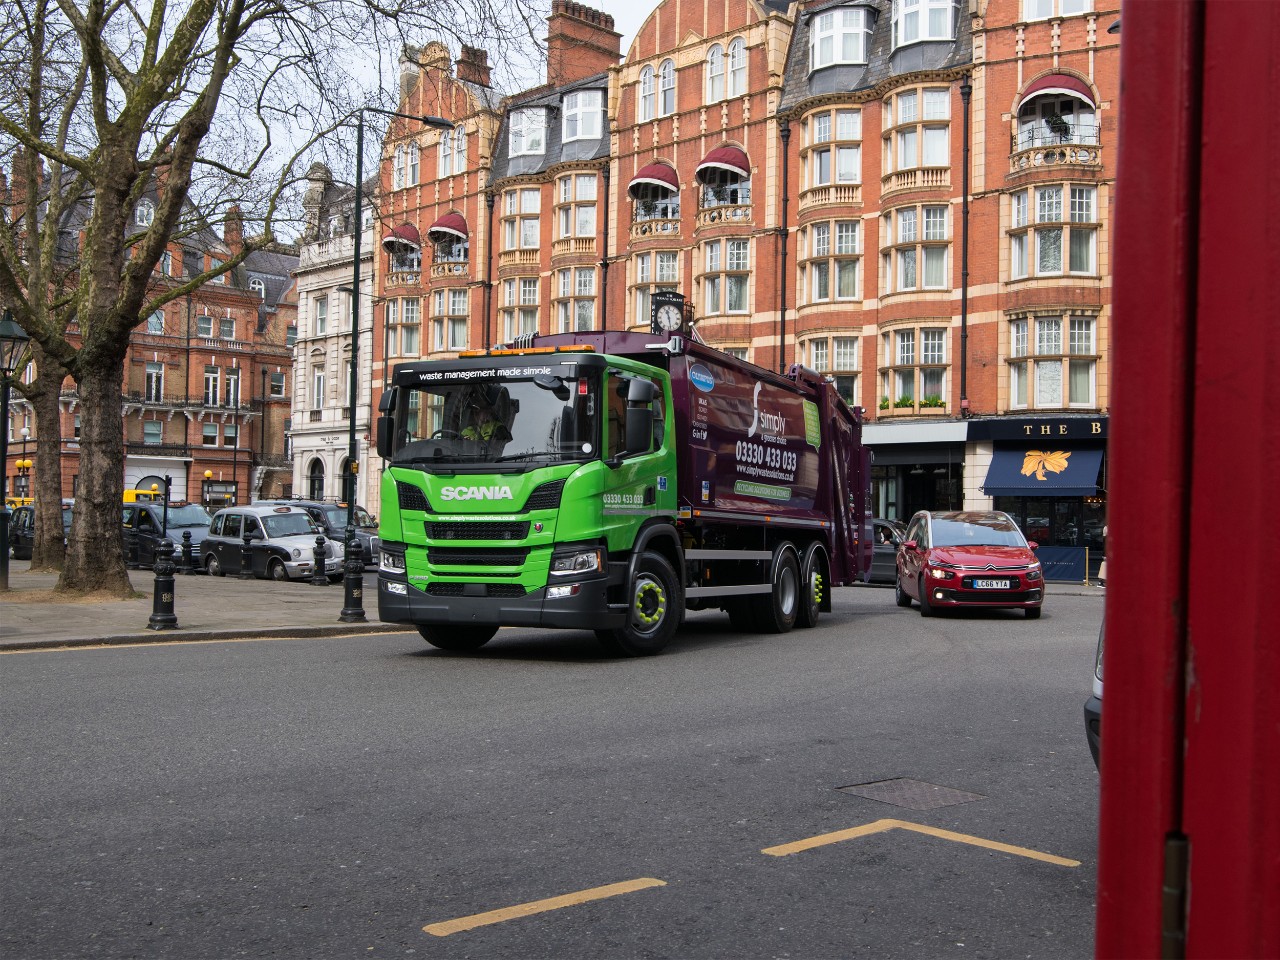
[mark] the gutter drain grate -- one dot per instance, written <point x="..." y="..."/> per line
<point x="915" y="794"/>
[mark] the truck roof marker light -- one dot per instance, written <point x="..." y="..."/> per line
<point x="526" y="351"/>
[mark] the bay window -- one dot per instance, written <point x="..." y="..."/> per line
<point x="1053" y="361"/>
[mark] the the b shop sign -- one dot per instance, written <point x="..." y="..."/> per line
<point x="1038" y="428"/>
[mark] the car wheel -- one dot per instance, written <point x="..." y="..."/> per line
<point x="212" y="566"/>
<point x="925" y="609"/>
<point x="900" y="596"/>
<point x="1033" y="613"/>
<point x="458" y="639"/>
<point x="276" y="569"/>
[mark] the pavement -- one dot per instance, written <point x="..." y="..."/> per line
<point x="207" y="608"/>
<point x="211" y="608"/>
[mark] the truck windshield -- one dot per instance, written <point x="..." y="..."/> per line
<point x="544" y="419"/>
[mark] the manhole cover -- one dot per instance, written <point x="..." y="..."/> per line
<point x="915" y="794"/>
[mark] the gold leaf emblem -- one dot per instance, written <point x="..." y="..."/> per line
<point x="1038" y="461"/>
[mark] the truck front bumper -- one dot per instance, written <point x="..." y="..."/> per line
<point x="586" y="608"/>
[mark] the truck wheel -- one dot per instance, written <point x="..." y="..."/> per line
<point x="776" y="611"/>
<point x="653" y="613"/>
<point x="457" y="638"/>
<point x="813" y="585"/>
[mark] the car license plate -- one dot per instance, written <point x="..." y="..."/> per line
<point x="991" y="584"/>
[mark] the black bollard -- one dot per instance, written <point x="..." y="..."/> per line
<point x="318" y="579"/>
<point x="186" y="565"/>
<point x="246" y="558"/>
<point x="162" y="615"/>
<point x="353" y="582"/>
<point x="131" y="539"/>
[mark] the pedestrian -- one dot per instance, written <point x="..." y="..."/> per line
<point x="1102" y="567"/>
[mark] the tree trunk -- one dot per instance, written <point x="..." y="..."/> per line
<point x="95" y="559"/>
<point x="49" y="550"/>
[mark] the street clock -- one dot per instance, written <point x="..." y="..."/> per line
<point x="670" y="313"/>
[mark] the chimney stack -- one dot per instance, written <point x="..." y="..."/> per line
<point x="473" y="66"/>
<point x="581" y="42"/>
<point x="233" y="230"/>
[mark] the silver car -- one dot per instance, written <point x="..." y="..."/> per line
<point x="282" y="543"/>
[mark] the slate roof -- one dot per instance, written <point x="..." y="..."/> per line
<point x="883" y="63"/>
<point x="555" y="150"/>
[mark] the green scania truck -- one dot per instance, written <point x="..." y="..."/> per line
<point x="609" y="481"/>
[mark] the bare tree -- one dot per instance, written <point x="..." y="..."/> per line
<point x="216" y="106"/>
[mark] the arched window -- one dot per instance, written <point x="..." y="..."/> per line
<point x="144" y="213"/>
<point x="667" y="88"/>
<point x="737" y="68"/>
<point x="315" y="480"/>
<point x="645" y="107"/>
<point x="258" y="287"/>
<point x="715" y="74"/>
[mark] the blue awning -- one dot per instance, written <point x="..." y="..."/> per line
<point x="1043" y="471"/>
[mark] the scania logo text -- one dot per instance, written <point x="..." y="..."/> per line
<point x="476" y="493"/>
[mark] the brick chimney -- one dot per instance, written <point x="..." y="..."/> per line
<point x="473" y="66"/>
<point x="233" y="230"/>
<point x="581" y="42"/>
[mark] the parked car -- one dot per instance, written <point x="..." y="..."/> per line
<point x="283" y="543"/>
<point x="22" y="529"/>
<point x="147" y="519"/>
<point x="1093" y="706"/>
<point x="968" y="559"/>
<point x="885" y="537"/>
<point x="332" y="517"/>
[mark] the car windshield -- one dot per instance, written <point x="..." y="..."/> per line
<point x="337" y="516"/>
<point x="550" y="418"/>
<point x="292" y="524"/>
<point x="980" y="531"/>
<point x="188" y="515"/>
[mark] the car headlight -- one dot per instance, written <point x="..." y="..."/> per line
<point x="1034" y="573"/>
<point x="941" y="574"/>
<point x="297" y="554"/>
<point x="578" y="562"/>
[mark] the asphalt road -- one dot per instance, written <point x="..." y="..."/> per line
<point x="331" y="798"/>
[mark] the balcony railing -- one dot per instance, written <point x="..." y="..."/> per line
<point x="1041" y="135"/>
<point x="917" y="178"/>
<point x="724" y="214"/>
<point x="842" y="194"/>
<point x="568" y="246"/>
<point x="518" y="258"/>
<point x="451" y="270"/>
<point x="655" y="229"/>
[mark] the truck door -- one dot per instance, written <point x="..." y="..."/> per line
<point x="630" y="492"/>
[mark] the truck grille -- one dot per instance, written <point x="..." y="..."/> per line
<point x="490" y="589"/>
<point x="471" y="556"/>
<point x="411" y="497"/>
<point x="546" y="496"/>
<point x="446" y="530"/>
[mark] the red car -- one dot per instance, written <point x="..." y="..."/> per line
<point x="968" y="558"/>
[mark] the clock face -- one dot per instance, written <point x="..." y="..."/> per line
<point x="669" y="317"/>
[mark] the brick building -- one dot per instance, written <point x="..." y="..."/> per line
<point x="204" y="399"/>
<point x="910" y="196"/>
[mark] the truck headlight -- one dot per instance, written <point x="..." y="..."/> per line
<point x="390" y="562"/>
<point x="578" y="562"/>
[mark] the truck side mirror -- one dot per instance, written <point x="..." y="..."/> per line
<point x="385" y="428"/>
<point x="639" y="416"/>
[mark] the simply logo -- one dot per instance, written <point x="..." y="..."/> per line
<point x="476" y="493"/>
<point x="773" y="424"/>
<point x="702" y="378"/>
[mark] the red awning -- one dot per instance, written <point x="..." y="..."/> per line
<point x="402" y="237"/>
<point x="450" y="227"/>
<point x="723" y="163"/>
<point x="655" y="176"/>
<point x="1059" y="83"/>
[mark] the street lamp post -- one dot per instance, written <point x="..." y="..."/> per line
<point x="13" y="341"/>
<point x="23" y="465"/>
<point x="353" y="582"/>
<point x="208" y="496"/>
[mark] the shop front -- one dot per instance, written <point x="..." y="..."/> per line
<point x="917" y="466"/>
<point x="1049" y="474"/>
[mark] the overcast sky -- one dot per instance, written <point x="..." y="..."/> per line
<point x="628" y="16"/>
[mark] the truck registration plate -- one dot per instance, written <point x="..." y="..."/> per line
<point x="991" y="584"/>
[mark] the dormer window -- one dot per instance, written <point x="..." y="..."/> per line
<point x="582" y="114"/>
<point x="841" y="35"/>
<point x="257" y="287"/>
<point x="917" y="20"/>
<point x="528" y="132"/>
<point x="144" y="213"/>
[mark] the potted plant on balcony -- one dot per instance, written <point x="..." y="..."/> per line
<point x="884" y="403"/>
<point x="932" y="404"/>
<point x="904" y="403"/>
